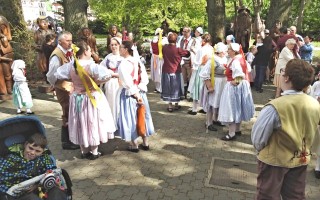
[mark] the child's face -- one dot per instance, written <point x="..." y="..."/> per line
<point x="31" y="151"/>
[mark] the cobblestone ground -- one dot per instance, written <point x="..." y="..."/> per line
<point x="176" y="167"/>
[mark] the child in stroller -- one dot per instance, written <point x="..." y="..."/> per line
<point x="27" y="168"/>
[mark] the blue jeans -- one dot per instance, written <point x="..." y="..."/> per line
<point x="260" y="76"/>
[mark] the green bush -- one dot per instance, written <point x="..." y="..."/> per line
<point x="23" y="46"/>
<point x="98" y="26"/>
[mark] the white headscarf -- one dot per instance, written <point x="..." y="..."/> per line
<point x="16" y="66"/>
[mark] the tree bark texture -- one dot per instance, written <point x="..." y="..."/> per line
<point x="302" y="5"/>
<point x="279" y="10"/>
<point x="75" y="15"/>
<point x="12" y="10"/>
<point x="216" y="19"/>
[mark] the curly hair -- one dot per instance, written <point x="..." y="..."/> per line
<point x="300" y="73"/>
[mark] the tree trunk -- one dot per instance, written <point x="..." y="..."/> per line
<point x="300" y="14"/>
<point x="75" y="15"/>
<point x="279" y="10"/>
<point x="216" y="19"/>
<point x="12" y="10"/>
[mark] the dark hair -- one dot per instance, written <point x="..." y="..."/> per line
<point x="38" y="140"/>
<point x="284" y="30"/>
<point x="300" y="73"/>
<point x="128" y="45"/>
<point x="206" y="38"/>
<point x="50" y="37"/>
<point x="172" y="38"/>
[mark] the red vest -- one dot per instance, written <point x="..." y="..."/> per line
<point x="155" y="48"/>
<point x="244" y="67"/>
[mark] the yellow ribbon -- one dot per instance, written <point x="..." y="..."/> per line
<point x="160" y="44"/>
<point x="212" y="69"/>
<point x="85" y="78"/>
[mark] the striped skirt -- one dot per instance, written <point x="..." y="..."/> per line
<point x="236" y="103"/>
<point x="127" y="118"/>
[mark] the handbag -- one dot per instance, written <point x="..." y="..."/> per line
<point x="141" y="120"/>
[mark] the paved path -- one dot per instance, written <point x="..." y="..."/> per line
<point x="176" y="167"/>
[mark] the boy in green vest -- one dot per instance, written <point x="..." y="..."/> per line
<point x="283" y="135"/>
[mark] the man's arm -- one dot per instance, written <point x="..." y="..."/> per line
<point x="54" y="64"/>
<point x="267" y="121"/>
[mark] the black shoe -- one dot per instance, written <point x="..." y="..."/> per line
<point x="228" y="138"/>
<point x="21" y="112"/>
<point x="202" y="111"/>
<point x="190" y="112"/>
<point x="145" y="148"/>
<point x="190" y="99"/>
<point x="93" y="157"/>
<point x="217" y="123"/>
<point x="132" y="149"/>
<point x="317" y="174"/>
<point x="212" y="128"/>
<point x="86" y="155"/>
<point x="69" y="146"/>
<point x="238" y="133"/>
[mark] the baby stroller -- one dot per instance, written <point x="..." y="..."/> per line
<point x="15" y="131"/>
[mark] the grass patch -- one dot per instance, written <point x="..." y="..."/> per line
<point x="316" y="43"/>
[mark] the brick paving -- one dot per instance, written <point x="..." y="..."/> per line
<point x="175" y="168"/>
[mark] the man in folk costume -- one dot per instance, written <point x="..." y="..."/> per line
<point x="188" y="43"/>
<point x="61" y="55"/>
<point x="157" y="59"/>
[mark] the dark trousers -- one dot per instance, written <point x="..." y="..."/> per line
<point x="54" y="194"/>
<point x="273" y="182"/>
<point x="260" y="76"/>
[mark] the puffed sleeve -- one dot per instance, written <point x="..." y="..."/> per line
<point x="205" y="73"/>
<point x="236" y="69"/>
<point x="144" y="79"/>
<point x="100" y="72"/>
<point x="126" y="79"/>
<point x="63" y="72"/>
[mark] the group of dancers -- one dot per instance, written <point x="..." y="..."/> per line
<point x="219" y="82"/>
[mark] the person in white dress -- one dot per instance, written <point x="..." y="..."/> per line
<point x="236" y="103"/>
<point x="202" y="56"/>
<point x="21" y="93"/>
<point x="212" y="90"/>
<point x="111" y="87"/>
<point x="132" y="93"/>
<point x="90" y="118"/>
<point x="157" y="58"/>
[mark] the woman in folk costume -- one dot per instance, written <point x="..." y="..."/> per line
<point x="90" y="118"/>
<point x="236" y="103"/>
<point x="171" y="73"/>
<point x="111" y="87"/>
<point x="213" y="74"/>
<point x="194" y="49"/>
<point x="21" y="93"/>
<point x="286" y="54"/>
<point x="202" y="56"/>
<point x="134" y="80"/>
<point x="157" y="59"/>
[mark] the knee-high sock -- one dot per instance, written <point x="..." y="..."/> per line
<point x="195" y="106"/>
<point x="209" y="116"/>
<point x="84" y="149"/>
<point x="232" y="129"/>
<point x="94" y="150"/>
